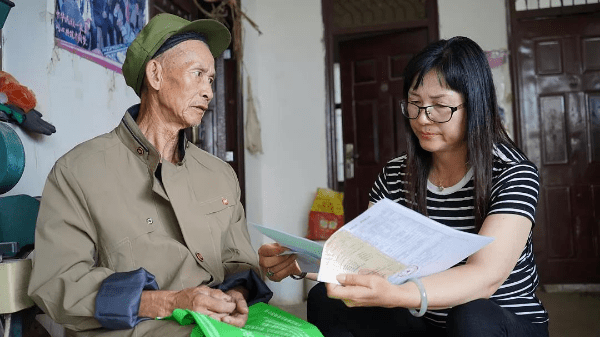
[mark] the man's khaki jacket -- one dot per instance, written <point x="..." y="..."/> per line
<point x="104" y="210"/>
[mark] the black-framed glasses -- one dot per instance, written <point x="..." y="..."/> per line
<point x="436" y="113"/>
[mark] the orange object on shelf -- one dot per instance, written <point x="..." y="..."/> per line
<point x="17" y="93"/>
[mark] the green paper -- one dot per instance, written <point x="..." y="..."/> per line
<point x="263" y="321"/>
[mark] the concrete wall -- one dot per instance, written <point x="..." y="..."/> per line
<point x="79" y="97"/>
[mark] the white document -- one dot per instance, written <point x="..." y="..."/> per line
<point x="397" y="243"/>
<point x="387" y="239"/>
<point x="308" y="252"/>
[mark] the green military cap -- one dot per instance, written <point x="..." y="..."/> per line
<point x="157" y="31"/>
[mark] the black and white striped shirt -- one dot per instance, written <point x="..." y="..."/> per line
<point x="515" y="190"/>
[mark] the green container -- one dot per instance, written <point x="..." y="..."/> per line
<point x="18" y="215"/>
<point x="5" y="6"/>
<point x="12" y="158"/>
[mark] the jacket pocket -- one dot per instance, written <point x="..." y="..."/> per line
<point x="120" y="257"/>
<point x="119" y="243"/>
<point x="217" y="204"/>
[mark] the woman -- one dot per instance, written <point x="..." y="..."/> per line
<point x="462" y="170"/>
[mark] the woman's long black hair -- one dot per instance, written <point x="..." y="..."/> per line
<point x="464" y="67"/>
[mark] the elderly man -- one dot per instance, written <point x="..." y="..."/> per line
<point x="138" y="222"/>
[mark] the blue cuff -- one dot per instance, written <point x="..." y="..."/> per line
<point x="118" y="300"/>
<point x="258" y="291"/>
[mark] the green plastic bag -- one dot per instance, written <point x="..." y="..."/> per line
<point x="263" y="321"/>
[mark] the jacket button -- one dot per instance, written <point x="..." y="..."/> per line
<point x="225" y="201"/>
<point x="199" y="256"/>
<point x="140" y="151"/>
<point x="149" y="221"/>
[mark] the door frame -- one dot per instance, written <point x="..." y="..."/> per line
<point x="332" y="36"/>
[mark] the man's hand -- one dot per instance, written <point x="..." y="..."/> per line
<point x="277" y="267"/>
<point x="240" y="315"/>
<point x="211" y="302"/>
<point x="205" y="300"/>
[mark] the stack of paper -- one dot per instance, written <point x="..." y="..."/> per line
<point x="388" y="239"/>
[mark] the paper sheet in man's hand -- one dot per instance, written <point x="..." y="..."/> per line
<point x="392" y="241"/>
<point x="308" y="252"/>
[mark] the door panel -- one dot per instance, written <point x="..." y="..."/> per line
<point x="591" y="54"/>
<point x="560" y="244"/>
<point x="594" y="124"/>
<point x="372" y="81"/>
<point x="553" y="128"/>
<point x="559" y="85"/>
<point x="366" y="117"/>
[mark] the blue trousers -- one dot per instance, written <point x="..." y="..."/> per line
<point x="477" y="318"/>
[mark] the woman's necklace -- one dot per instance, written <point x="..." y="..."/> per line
<point x="440" y="185"/>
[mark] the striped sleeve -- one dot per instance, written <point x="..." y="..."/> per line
<point x="516" y="191"/>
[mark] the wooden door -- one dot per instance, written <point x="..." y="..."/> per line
<point x="558" y="63"/>
<point x="371" y="77"/>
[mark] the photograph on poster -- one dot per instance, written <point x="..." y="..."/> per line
<point x="99" y="30"/>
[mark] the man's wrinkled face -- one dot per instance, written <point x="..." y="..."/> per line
<point x="187" y="78"/>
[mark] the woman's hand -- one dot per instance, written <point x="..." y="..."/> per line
<point x="363" y="291"/>
<point x="276" y="266"/>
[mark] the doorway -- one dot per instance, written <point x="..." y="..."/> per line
<point x="373" y="131"/>
<point x="372" y="41"/>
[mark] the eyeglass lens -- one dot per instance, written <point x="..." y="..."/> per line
<point x="436" y="113"/>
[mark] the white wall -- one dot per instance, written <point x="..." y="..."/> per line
<point x="484" y="22"/>
<point x="79" y="97"/>
<point x="286" y="65"/>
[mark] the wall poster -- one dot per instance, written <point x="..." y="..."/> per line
<point x="99" y="30"/>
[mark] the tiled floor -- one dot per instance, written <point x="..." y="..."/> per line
<point x="571" y="314"/>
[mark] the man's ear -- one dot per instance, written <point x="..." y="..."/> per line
<point x="154" y="74"/>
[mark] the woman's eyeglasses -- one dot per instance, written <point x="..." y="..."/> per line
<point x="436" y="113"/>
